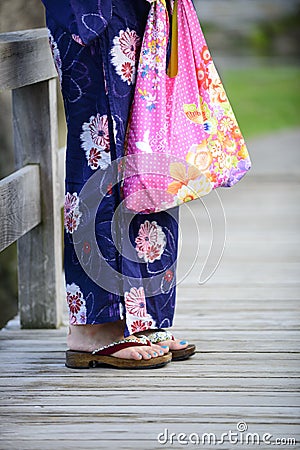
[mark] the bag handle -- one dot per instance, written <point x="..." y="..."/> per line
<point x="173" y="62"/>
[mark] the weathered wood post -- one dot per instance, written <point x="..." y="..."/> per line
<point x="32" y="78"/>
<point x="39" y="252"/>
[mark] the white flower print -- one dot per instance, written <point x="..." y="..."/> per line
<point x="99" y="131"/>
<point x="124" y="54"/>
<point x="129" y="42"/>
<point x="135" y="302"/>
<point x="94" y="156"/>
<point x="226" y="124"/>
<point x="141" y="325"/>
<point x="193" y="190"/>
<point x="137" y="318"/>
<point x="71" y="212"/>
<point x="215" y="148"/>
<point x="160" y="26"/>
<point x="127" y="72"/>
<point x="150" y="242"/>
<point x="56" y="56"/>
<point x="95" y="142"/>
<point x="76" y="304"/>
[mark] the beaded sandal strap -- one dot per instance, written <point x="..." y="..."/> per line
<point x="159" y="336"/>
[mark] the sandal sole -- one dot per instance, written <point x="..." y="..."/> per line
<point x="185" y="353"/>
<point x="85" y="360"/>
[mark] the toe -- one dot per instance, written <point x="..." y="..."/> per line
<point x="135" y="354"/>
<point x="160" y="349"/>
<point x="155" y="352"/>
<point x="145" y="352"/>
<point x="175" y="344"/>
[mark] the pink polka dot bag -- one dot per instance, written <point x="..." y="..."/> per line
<point x="183" y="139"/>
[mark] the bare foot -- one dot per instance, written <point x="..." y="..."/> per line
<point x="88" y="338"/>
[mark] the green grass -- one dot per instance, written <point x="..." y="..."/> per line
<point x="264" y="99"/>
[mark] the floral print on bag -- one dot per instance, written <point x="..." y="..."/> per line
<point x="190" y="109"/>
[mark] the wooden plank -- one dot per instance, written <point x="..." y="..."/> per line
<point x="107" y="398"/>
<point x="19" y="204"/>
<point x="40" y="252"/>
<point x="120" y="443"/>
<point x="238" y="370"/>
<point x="258" y="274"/>
<point x="106" y="378"/>
<point x="208" y="358"/>
<point x="127" y="414"/>
<point x="53" y="443"/>
<point x="264" y="295"/>
<point x="233" y="368"/>
<point x="93" y="429"/>
<point x="25" y="58"/>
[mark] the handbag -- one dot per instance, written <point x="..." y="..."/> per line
<point x="183" y="139"/>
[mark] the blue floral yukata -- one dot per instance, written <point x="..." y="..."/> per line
<point x="95" y="46"/>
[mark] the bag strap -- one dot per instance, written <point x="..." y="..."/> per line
<point x="173" y="62"/>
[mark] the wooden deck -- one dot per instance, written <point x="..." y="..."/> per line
<point x="245" y="322"/>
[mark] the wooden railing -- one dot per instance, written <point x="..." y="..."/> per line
<point x="31" y="198"/>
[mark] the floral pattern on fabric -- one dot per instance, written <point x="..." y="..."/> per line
<point x="169" y="276"/>
<point x="78" y="39"/>
<point x="135" y="302"/>
<point x="188" y="186"/>
<point x="56" y="56"/>
<point x="225" y="147"/>
<point x="193" y="190"/>
<point x="149" y="98"/>
<point x="71" y="212"/>
<point x="152" y="64"/>
<point x="95" y="142"/>
<point x="76" y="305"/>
<point x="124" y="54"/>
<point x="137" y="318"/>
<point x="140" y="325"/>
<point x="150" y="242"/>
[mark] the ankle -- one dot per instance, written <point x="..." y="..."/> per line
<point x="89" y="336"/>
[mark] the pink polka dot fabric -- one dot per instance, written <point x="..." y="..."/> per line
<point x="183" y="139"/>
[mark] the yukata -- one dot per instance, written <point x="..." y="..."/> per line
<point x="95" y="46"/>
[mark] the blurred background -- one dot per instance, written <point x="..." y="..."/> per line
<point x="255" y="45"/>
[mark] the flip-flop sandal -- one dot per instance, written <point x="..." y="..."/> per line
<point x="161" y="335"/>
<point x="102" y="356"/>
